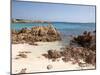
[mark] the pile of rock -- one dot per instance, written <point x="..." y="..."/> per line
<point x="35" y="34"/>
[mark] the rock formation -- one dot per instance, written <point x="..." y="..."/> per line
<point x="84" y="40"/>
<point x="35" y="34"/>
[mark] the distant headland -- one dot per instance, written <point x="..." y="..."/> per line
<point x="40" y="21"/>
<point x="28" y="21"/>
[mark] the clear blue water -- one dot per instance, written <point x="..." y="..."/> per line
<point x="64" y="28"/>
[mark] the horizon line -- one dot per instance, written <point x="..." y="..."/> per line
<point x="53" y="21"/>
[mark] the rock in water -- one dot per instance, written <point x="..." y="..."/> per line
<point x="35" y="34"/>
<point x="49" y="67"/>
<point x="84" y="40"/>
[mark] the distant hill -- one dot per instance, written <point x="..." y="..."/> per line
<point x="28" y="21"/>
<point x="20" y="21"/>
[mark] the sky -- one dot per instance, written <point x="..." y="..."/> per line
<point x="52" y="12"/>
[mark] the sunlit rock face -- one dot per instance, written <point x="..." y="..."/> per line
<point x="36" y="34"/>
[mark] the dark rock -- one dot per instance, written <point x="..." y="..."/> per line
<point x="49" y="67"/>
<point x="83" y="40"/>
<point x="91" y="58"/>
<point x="23" y="71"/>
<point x="45" y="55"/>
<point x="54" y="54"/>
<point x="22" y="55"/>
<point x="66" y="59"/>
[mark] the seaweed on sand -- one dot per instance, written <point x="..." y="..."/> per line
<point x="74" y="54"/>
<point x="22" y="55"/>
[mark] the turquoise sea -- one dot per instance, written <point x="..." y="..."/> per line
<point x="63" y="27"/>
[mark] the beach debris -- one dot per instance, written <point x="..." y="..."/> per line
<point x="54" y="60"/>
<point x="58" y="59"/>
<point x="45" y="55"/>
<point x="91" y="59"/>
<point x="32" y="43"/>
<point x="39" y="57"/>
<point x="23" y="71"/>
<point x="82" y="64"/>
<point x="49" y="67"/>
<point x="25" y="52"/>
<point x="22" y="55"/>
<point x="66" y="59"/>
<point x="16" y="58"/>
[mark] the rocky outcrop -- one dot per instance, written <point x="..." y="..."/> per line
<point x="35" y="34"/>
<point x="87" y="39"/>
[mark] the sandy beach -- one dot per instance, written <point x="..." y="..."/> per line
<point x="52" y="37"/>
<point x="35" y="62"/>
